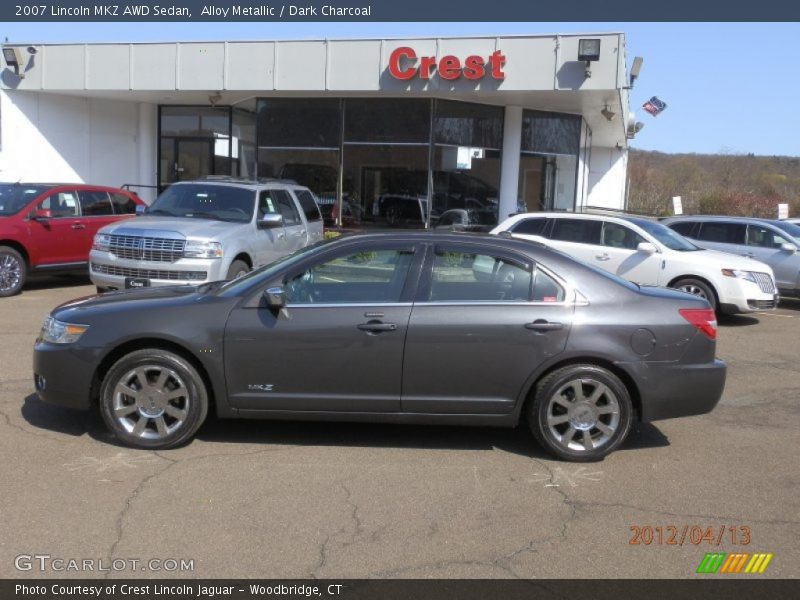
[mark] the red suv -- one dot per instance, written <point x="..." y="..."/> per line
<point x="50" y="227"/>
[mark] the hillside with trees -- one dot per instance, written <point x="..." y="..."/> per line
<point x="724" y="184"/>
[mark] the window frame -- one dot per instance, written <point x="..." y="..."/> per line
<point x="74" y="191"/>
<point x="703" y="224"/>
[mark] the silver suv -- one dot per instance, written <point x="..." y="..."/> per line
<point x="207" y="230"/>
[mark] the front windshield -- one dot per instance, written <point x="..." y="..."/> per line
<point x="205" y="201"/>
<point x="236" y="286"/>
<point x="16" y="196"/>
<point x="788" y="228"/>
<point x="671" y="239"/>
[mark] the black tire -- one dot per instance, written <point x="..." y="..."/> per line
<point x="237" y="269"/>
<point x="607" y="420"/>
<point x="101" y="290"/>
<point x="696" y="287"/>
<point x="134" y="419"/>
<point x="13" y="271"/>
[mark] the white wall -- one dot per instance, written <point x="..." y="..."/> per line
<point x="58" y="138"/>
<point x="607" y="178"/>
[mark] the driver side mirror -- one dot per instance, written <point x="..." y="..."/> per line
<point x="790" y="248"/>
<point x="42" y="214"/>
<point x="646" y="247"/>
<point x="270" y="221"/>
<point x="275" y="297"/>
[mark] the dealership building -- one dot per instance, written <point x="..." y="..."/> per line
<point x="490" y="124"/>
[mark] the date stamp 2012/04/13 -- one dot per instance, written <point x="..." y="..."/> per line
<point x="695" y="535"/>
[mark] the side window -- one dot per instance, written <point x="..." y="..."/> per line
<point x="530" y="226"/>
<point x="62" y="204"/>
<point x="462" y="277"/>
<point x="619" y="236"/>
<point x="95" y="203"/>
<point x="683" y="227"/>
<point x="763" y="237"/>
<point x="308" y="204"/>
<point x="546" y="289"/>
<point x="372" y="277"/>
<point x="722" y="233"/>
<point x="582" y="231"/>
<point x="267" y="205"/>
<point x="123" y="205"/>
<point x="286" y="207"/>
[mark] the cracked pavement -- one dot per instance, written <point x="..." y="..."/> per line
<point x="327" y="500"/>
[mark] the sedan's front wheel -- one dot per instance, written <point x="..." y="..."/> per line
<point x="580" y="413"/>
<point x="153" y="399"/>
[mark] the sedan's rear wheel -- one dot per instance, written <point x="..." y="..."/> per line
<point x="580" y="413"/>
<point x="153" y="399"/>
<point x="13" y="271"/>
<point x="697" y="288"/>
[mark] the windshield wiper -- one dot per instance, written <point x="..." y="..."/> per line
<point x="205" y="215"/>
<point x="159" y="211"/>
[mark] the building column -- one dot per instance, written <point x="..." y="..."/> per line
<point x="509" y="172"/>
<point x="147" y="151"/>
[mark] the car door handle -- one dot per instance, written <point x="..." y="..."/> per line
<point x="374" y="326"/>
<point x="300" y="233"/>
<point x="602" y="257"/>
<point x="78" y="226"/>
<point x="542" y="325"/>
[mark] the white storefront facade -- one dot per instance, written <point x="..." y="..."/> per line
<point x="496" y="124"/>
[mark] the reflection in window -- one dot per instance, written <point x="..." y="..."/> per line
<point x="375" y="276"/>
<point x="545" y="288"/>
<point x="550" y="133"/>
<point x="465" y="277"/>
<point x="619" y="236"/>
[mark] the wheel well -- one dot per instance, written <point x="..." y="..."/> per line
<point x="19" y="248"/>
<point x="244" y="258"/>
<point x="703" y="279"/>
<point x="630" y="384"/>
<point x="140" y="344"/>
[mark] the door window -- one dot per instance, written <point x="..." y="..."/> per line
<point x="463" y="277"/>
<point x="530" y="226"/>
<point x="722" y="233"/>
<point x="123" y="205"/>
<point x="764" y="237"/>
<point x="619" y="236"/>
<point x="279" y="202"/>
<point x="61" y="204"/>
<point x="582" y="231"/>
<point x="368" y="277"/>
<point x="683" y="227"/>
<point x="308" y="205"/>
<point x="546" y="289"/>
<point x="95" y="203"/>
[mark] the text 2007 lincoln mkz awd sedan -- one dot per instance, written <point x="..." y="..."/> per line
<point x="402" y="327"/>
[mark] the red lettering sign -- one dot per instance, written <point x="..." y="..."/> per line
<point x="403" y="66"/>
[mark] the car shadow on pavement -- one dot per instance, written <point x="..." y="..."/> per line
<point x="47" y="282"/>
<point x="340" y="434"/>
<point x="736" y="320"/>
<point x="792" y="304"/>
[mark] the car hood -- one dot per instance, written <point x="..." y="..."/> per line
<point x="125" y="299"/>
<point x="726" y="260"/>
<point x="187" y="227"/>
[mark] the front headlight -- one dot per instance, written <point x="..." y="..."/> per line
<point x="202" y="249"/>
<point x="746" y="275"/>
<point x="56" y="332"/>
<point x="102" y="241"/>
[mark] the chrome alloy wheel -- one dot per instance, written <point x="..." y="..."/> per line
<point x="151" y="402"/>
<point x="583" y="415"/>
<point x="10" y="273"/>
<point x="690" y="288"/>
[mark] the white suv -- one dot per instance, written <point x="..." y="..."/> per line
<point x="648" y="253"/>
<point x="205" y="230"/>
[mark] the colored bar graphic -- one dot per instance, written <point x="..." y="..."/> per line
<point x="721" y="562"/>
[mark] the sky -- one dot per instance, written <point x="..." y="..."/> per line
<point x="729" y="87"/>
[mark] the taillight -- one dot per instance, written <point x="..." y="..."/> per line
<point x="703" y="319"/>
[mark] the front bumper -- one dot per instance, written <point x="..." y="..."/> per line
<point x="62" y="374"/>
<point x="668" y="390"/>
<point x="742" y="296"/>
<point x="109" y="271"/>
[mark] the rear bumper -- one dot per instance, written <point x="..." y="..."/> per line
<point x="670" y="390"/>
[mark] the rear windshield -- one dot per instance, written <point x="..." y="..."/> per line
<point x="671" y="239"/>
<point x="205" y="201"/>
<point x="16" y="196"/>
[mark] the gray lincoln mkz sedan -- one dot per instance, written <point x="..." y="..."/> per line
<point x="411" y="327"/>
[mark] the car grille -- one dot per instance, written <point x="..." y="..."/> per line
<point x="148" y="249"/>
<point x="762" y="304"/>
<point x="150" y="273"/>
<point x="765" y="282"/>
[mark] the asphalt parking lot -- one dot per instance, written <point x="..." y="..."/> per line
<point x="297" y="500"/>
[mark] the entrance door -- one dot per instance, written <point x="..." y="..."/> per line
<point x="185" y="159"/>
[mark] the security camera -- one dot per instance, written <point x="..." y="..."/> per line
<point x="31" y="50"/>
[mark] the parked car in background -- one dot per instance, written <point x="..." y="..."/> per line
<point x="206" y="230"/>
<point x="391" y="327"/>
<point x="649" y="253"/>
<point x="770" y="241"/>
<point x="460" y="219"/>
<point x="48" y="228"/>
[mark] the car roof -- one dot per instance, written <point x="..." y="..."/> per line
<point x="720" y="218"/>
<point x="231" y="181"/>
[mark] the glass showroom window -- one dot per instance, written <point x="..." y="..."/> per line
<point x="243" y="140"/>
<point x="386" y="153"/>
<point x="466" y="159"/>
<point x="299" y="139"/>
<point x="548" y="161"/>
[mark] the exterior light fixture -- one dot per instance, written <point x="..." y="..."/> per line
<point x="634" y="127"/>
<point x="589" y="52"/>
<point x="607" y="113"/>
<point x="12" y="58"/>
<point x="635" y="68"/>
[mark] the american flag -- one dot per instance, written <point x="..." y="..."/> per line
<point x="654" y="106"/>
